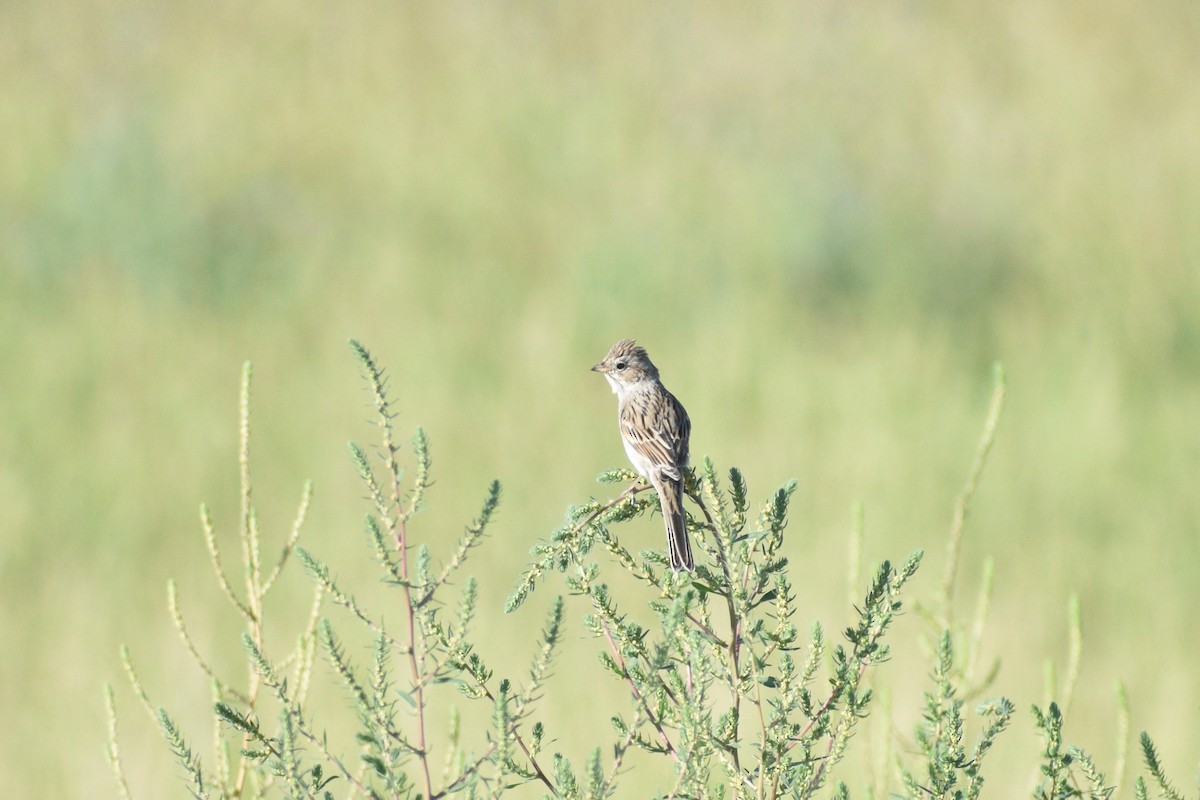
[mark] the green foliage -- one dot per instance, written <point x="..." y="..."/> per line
<point x="1059" y="766"/>
<point x="185" y="756"/>
<point x="1150" y="754"/>
<point x="949" y="772"/>
<point x="721" y="685"/>
<point x="716" y="687"/>
<point x="293" y="757"/>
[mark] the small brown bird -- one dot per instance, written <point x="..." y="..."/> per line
<point x="655" y="431"/>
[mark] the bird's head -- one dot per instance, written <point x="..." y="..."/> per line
<point x="626" y="365"/>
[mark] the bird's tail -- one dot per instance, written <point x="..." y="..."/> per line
<point x="679" y="545"/>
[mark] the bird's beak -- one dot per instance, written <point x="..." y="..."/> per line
<point x="600" y="367"/>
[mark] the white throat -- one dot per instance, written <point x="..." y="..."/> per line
<point x="624" y="391"/>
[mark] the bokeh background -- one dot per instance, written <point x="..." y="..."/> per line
<point x="825" y="221"/>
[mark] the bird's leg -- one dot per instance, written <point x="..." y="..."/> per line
<point x="640" y="485"/>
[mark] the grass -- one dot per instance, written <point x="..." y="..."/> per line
<point x="824" y="223"/>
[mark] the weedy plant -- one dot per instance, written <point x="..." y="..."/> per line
<point x="723" y="684"/>
<point x="268" y="742"/>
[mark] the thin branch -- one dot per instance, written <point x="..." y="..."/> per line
<point x="177" y="617"/>
<point x="136" y="683"/>
<point x="113" y="749"/>
<point x="210" y="540"/>
<point x="616" y="651"/>
<point x="301" y="515"/>
<point x="954" y="546"/>
<point x="541" y="775"/>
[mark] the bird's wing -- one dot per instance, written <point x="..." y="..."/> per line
<point x="682" y="456"/>
<point x="660" y="435"/>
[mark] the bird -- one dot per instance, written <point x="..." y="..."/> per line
<point x="654" y="429"/>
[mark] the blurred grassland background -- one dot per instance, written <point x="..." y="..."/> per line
<point x="825" y="221"/>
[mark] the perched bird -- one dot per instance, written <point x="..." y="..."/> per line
<point x="655" y="430"/>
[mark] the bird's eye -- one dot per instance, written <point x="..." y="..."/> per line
<point x="620" y="365"/>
